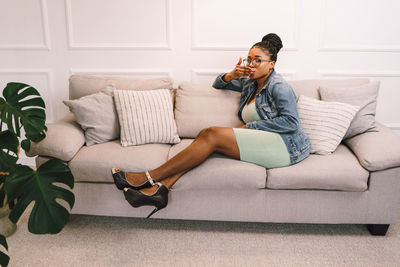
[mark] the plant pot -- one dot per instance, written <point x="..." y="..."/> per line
<point x="7" y="227"/>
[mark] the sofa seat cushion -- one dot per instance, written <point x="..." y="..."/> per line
<point x="219" y="172"/>
<point x="337" y="171"/>
<point x="94" y="163"/>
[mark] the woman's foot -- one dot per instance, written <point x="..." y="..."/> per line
<point x="121" y="181"/>
<point x="133" y="178"/>
<point x="151" y="190"/>
<point x="157" y="197"/>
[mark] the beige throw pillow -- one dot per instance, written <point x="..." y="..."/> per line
<point x="96" y="115"/>
<point x="325" y="123"/>
<point x="364" y="96"/>
<point x="146" y="117"/>
<point x="201" y="106"/>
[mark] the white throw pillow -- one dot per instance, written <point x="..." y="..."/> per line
<point x="146" y="117"/>
<point x="325" y="123"/>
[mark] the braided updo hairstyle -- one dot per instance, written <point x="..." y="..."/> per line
<point x="271" y="44"/>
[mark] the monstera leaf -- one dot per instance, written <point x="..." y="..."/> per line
<point x="8" y="150"/>
<point x="4" y="258"/>
<point x="23" y="106"/>
<point x="47" y="215"/>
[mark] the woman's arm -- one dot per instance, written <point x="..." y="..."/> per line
<point x="287" y="119"/>
<point x="234" y="85"/>
<point x="231" y="80"/>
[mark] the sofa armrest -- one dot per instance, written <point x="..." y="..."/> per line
<point x="63" y="140"/>
<point x="376" y="150"/>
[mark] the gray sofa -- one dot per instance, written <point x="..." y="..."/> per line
<point x="357" y="184"/>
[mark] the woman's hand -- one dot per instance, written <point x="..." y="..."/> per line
<point x="237" y="72"/>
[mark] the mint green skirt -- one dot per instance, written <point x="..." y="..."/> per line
<point x="262" y="148"/>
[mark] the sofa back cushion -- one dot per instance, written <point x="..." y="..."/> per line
<point x="310" y="87"/>
<point x="201" y="106"/>
<point x="83" y="85"/>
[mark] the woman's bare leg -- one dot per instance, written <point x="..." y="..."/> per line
<point x="168" y="182"/>
<point x="214" y="139"/>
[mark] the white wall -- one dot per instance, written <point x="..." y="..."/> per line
<point x="42" y="42"/>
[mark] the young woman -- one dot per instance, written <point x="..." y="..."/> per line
<point x="271" y="135"/>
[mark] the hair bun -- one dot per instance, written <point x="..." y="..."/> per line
<point x="274" y="39"/>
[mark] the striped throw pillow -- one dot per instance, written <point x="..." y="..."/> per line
<point x="325" y="123"/>
<point x="146" y="117"/>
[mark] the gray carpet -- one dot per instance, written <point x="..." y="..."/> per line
<point x="111" y="241"/>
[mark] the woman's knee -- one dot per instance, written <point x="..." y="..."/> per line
<point x="208" y="134"/>
<point x="201" y="132"/>
<point x="221" y="140"/>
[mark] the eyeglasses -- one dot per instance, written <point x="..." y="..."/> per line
<point x="256" y="62"/>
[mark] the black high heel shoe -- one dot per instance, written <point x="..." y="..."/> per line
<point x="137" y="199"/>
<point x="121" y="182"/>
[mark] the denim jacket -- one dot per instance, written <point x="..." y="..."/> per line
<point x="277" y="108"/>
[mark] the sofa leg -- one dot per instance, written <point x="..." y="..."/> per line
<point x="378" y="229"/>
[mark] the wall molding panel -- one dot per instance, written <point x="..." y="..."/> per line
<point x="46" y="45"/>
<point x="74" y="44"/>
<point x="339" y="73"/>
<point x="49" y="83"/>
<point x="196" y="74"/>
<point x="197" y="45"/>
<point x="326" y="47"/>
<point x="122" y="72"/>
<point x="344" y="48"/>
<point x="394" y="126"/>
<point x="45" y="41"/>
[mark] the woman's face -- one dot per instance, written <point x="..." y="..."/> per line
<point x="260" y="63"/>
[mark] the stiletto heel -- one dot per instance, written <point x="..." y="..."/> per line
<point x="151" y="213"/>
<point x="121" y="182"/>
<point x="137" y="199"/>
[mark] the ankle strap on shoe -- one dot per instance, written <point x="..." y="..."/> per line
<point x="149" y="178"/>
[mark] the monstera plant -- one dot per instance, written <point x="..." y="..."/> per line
<point x="22" y="108"/>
